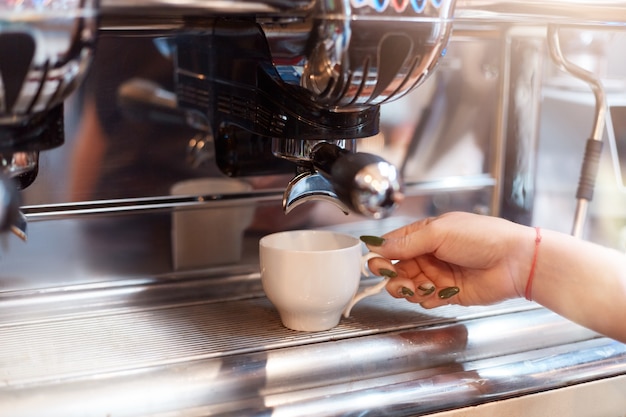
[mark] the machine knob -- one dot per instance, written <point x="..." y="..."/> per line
<point x="367" y="184"/>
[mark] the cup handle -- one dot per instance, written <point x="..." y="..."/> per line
<point x="374" y="289"/>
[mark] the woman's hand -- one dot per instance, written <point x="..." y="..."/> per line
<point x="468" y="259"/>
<point x="458" y="258"/>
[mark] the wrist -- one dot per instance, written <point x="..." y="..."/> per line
<point x="528" y="290"/>
<point x="526" y="250"/>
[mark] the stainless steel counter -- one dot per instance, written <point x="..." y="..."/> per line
<point x="114" y="342"/>
<point x="608" y="13"/>
<point x="196" y="346"/>
<point x="602" y="12"/>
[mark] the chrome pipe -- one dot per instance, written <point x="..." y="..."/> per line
<point x="43" y="212"/>
<point x="153" y="12"/>
<point x="518" y="117"/>
<point x="591" y="79"/>
<point x="600" y="12"/>
<point x="592" y="152"/>
<point x="145" y="204"/>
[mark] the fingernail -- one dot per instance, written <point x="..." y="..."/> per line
<point x="372" y="240"/>
<point x="387" y="273"/>
<point x="448" y="292"/>
<point x="406" y="292"/>
<point x="426" y="290"/>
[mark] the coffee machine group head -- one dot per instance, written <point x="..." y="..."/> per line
<point x="45" y="49"/>
<point x="300" y="90"/>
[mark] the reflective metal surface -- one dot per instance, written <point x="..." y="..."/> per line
<point x="307" y="186"/>
<point x="378" y="190"/>
<point x="602" y="12"/>
<point x="171" y="349"/>
<point x="223" y="7"/>
<point x="100" y="325"/>
<point x="518" y="114"/>
<point x="208" y="342"/>
<point x="366" y="58"/>
<point x="41" y="212"/>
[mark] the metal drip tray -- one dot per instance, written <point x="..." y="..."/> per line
<point x="165" y="348"/>
<point x="208" y="342"/>
<point x="144" y="336"/>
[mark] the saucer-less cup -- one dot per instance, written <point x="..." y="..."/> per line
<point x="212" y="234"/>
<point x="312" y="276"/>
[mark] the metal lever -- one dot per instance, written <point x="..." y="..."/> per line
<point x="593" y="149"/>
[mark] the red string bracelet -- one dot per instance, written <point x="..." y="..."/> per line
<point x="529" y="284"/>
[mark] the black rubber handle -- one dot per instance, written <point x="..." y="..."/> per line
<point x="589" y="170"/>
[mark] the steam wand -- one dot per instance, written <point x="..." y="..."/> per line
<point x="593" y="148"/>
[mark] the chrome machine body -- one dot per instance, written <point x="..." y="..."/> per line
<point x="102" y="325"/>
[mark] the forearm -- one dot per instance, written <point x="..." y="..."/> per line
<point x="583" y="282"/>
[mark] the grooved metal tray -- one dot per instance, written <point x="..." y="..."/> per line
<point x="195" y="346"/>
<point x="67" y="345"/>
<point x="209" y="343"/>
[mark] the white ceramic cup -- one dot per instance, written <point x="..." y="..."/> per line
<point x="212" y="234"/>
<point x="312" y="276"/>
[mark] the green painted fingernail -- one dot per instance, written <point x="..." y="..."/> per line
<point x="372" y="240"/>
<point x="406" y="292"/>
<point x="426" y="291"/>
<point x="448" y="292"/>
<point x="387" y="273"/>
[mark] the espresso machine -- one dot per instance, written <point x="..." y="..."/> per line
<point x="279" y="87"/>
<point x="94" y="326"/>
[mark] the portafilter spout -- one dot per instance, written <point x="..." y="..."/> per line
<point x="355" y="181"/>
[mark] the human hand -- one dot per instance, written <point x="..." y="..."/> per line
<point x="459" y="258"/>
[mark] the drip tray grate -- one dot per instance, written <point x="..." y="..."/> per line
<point x="62" y="348"/>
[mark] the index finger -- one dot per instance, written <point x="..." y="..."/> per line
<point x="409" y="241"/>
<point x="409" y="229"/>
